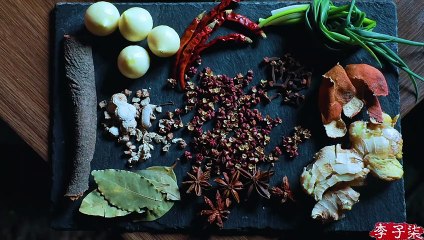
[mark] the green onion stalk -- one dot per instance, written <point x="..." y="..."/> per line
<point x="341" y="27"/>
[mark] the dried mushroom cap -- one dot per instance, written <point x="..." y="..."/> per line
<point x="380" y="145"/>
<point x="337" y="94"/>
<point x="369" y="83"/>
<point x="334" y="203"/>
<point x="332" y="165"/>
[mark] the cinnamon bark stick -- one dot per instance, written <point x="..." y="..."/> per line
<point x="79" y="71"/>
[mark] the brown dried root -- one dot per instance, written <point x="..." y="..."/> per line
<point x="380" y="145"/>
<point x="334" y="203"/>
<point x="332" y="166"/>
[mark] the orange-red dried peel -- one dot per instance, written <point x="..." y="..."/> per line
<point x="369" y="83"/>
<point x="335" y="91"/>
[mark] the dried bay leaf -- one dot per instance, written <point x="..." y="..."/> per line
<point x="166" y="170"/>
<point x="163" y="181"/>
<point x="152" y="215"/>
<point x="95" y="204"/>
<point x="127" y="190"/>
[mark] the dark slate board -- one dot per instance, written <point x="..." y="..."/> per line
<point x="380" y="201"/>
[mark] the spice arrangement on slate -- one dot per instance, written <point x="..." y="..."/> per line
<point x="219" y="127"/>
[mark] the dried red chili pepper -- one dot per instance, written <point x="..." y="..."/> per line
<point x="185" y="38"/>
<point x="218" y="9"/>
<point x="186" y="54"/>
<point x="233" y="37"/>
<point x="246" y="22"/>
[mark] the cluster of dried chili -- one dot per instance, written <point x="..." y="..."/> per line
<point x="195" y="37"/>
<point x="289" y="77"/>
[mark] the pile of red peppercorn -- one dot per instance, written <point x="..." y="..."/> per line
<point x="235" y="146"/>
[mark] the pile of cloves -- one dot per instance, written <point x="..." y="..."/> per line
<point x="288" y="77"/>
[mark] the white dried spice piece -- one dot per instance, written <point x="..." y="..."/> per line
<point x="138" y="134"/>
<point x="114" y="131"/>
<point x="107" y="115"/>
<point x="103" y="104"/>
<point x="145" y="93"/>
<point x="166" y="147"/>
<point x="146" y="114"/>
<point x="122" y="123"/>
<point x="145" y="101"/>
<point x="176" y="140"/>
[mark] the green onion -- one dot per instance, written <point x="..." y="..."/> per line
<point x="341" y="27"/>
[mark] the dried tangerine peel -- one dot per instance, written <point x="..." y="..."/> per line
<point x="336" y="92"/>
<point x="369" y="83"/>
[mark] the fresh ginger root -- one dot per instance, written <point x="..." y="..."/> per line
<point x="380" y="145"/>
<point x="333" y="165"/>
<point x="375" y="147"/>
<point x="334" y="203"/>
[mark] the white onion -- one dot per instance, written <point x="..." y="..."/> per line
<point x="101" y="18"/>
<point x="135" y="24"/>
<point x="133" y="61"/>
<point x="163" y="41"/>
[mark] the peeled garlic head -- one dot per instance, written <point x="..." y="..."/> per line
<point x="163" y="41"/>
<point x="101" y="18"/>
<point x="133" y="61"/>
<point x="135" y="24"/>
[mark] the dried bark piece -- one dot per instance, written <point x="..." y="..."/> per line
<point x="79" y="72"/>
<point x="369" y="83"/>
<point x="337" y="94"/>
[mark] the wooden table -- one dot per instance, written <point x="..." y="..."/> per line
<point x="24" y="68"/>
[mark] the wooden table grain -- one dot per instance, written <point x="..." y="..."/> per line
<point x="24" y="70"/>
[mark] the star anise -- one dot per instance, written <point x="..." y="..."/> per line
<point x="258" y="180"/>
<point x="284" y="192"/>
<point x="230" y="186"/>
<point x="198" y="182"/>
<point x="217" y="213"/>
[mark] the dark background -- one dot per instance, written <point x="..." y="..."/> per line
<point x="25" y="181"/>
